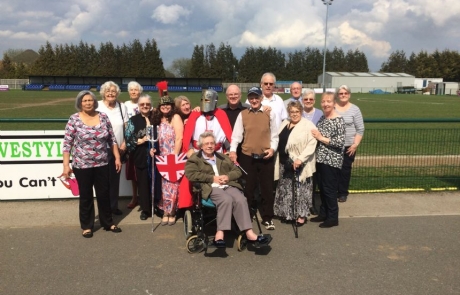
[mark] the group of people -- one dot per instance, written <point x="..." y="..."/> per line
<point x="280" y="149"/>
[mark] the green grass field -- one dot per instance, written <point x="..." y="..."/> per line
<point x="60" y="105"/>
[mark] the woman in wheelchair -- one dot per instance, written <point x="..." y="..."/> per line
<point x="218" y="178"/>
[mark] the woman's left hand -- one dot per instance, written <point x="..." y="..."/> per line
<point x="352" y="149"/>
<point x="117" y="165"/>
<point x="296" y="164"/>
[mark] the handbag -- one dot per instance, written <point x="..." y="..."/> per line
<point x="70" y="183"/>
<point x="125" y="156"/>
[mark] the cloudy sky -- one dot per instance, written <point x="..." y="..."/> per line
<point x="376" y="27"/>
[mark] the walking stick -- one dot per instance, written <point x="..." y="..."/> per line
<point x="151" y="132"/>
<point x="295" y="191"/>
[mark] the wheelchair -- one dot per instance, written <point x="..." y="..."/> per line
<point x="202" y="214"/>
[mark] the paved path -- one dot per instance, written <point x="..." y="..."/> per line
<point x="413" y="250"/>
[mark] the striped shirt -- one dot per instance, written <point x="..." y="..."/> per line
<point x="354" y="123"/>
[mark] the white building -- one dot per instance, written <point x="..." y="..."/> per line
<point x="365" y="82"/>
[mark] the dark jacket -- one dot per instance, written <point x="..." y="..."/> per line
<point x="197" y="169"/>
<point x="139" y="154"/>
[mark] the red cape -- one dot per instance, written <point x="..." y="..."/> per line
<point x="185" y="195"/>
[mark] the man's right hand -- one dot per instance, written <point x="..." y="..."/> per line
<point x="232" y="156"/>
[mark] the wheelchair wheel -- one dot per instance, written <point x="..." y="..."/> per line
<point x="194" y="244"/>
<point x="242" y="242"/>
<point x="188" y="224"/>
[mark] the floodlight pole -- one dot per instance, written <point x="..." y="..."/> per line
<point x="327" y="3"/>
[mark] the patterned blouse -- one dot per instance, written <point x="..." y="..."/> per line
<point x="331" y="154"/>
<point x="88" y="144"/>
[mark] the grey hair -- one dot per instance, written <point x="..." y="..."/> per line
<point x="80" y="96"/>
<point x="145" y="95"/>
<point x="345" y="87"/>
<point x="205" y="135"/>
<point x="268" y="74"/>
<point x="134" y="84"/>
<point x="106" y="86"/>
<point x="308" y="91"/>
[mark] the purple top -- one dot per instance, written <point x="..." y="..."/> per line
<point x="88" y="143"/>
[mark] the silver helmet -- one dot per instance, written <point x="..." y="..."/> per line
<point x="209" y="100"/>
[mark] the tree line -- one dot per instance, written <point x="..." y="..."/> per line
<point x="438" y="64"/>
<point x="207" y="61"/>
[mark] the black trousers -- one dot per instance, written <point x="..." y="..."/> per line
<point x="143" y="188"/>
<point x="97" y="177"/>
<point x="345" y="174"/>
<point x="328" y="178"/>
<point x="260" y="172"/>
<point x="114" y="181"/>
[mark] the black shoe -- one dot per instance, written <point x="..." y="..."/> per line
<point x="317" y="219"/>
<point x="117" y="212"/>
<point x="88" y="234"/>
<point x="114" y="229"/>
<point x="342" y="199"/>
<point x="262" y="240"/>
<point x="219" y="243"/>
<point x="328" y="224"/>
<point x="144" y="215"/>
<point x="313" y="211"/>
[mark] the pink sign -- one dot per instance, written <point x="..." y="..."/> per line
<point x="4" y="88"/>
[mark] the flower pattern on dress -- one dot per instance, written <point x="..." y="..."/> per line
<point x="331" y="154"/>
<point x="88" y="144"/>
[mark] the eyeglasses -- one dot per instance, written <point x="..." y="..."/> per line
<point x="268" y="83"/>
<point x="253" y="97"/>
<point x="343" y="93"/>
<point x="111" y="91"/>
<point x="145" y="104"/>
<point x="308" y="99"/>
<point x="294" y="112"/>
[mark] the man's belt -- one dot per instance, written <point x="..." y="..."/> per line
<point x="216" y="148"/>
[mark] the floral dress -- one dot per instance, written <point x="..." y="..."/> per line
<point x="284" y="197"/>
<point x="168" y="201"/>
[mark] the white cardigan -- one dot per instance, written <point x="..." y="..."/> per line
<point x="300" y="145"/>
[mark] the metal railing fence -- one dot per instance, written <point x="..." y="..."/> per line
<point x="410" y="155"/>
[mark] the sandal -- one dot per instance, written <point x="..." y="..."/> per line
<point x="164" y="220"/>
<point x="172" y="220"/>
<point x="132" y="205"/>
<point x="87" y="233"/>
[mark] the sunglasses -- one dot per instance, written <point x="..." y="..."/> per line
<point x="343" y="93"/>
<point x="267" y="83"/>
<point x="308" y="99"/>
<point x="146" y="104"/>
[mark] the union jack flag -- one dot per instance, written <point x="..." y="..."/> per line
<point x="171" y="167"/>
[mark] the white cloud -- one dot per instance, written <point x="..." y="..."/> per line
<point x="169" y="14"/>
<point x="355" y="38"/>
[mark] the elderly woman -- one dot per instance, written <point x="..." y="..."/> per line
<point x="118" y="115"/>
<point x="296" y="155"/>
<point x="354" y="132"/>
<point x="90" y="160"/>
<point x="218" y="178"/>
<point x="135" y="90"/>
<point x="170" y="135"/>
<point x="329" y="159"/>
<point x="309" y="111"/>
<point x="137" y="144"/>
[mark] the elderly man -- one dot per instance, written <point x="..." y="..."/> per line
<point x="233" y="107"/>
<point x="296" y="92"/>
<point x="218" y="178"/>
<point x="259" y="144"/>
<point x="274" y="101"/>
